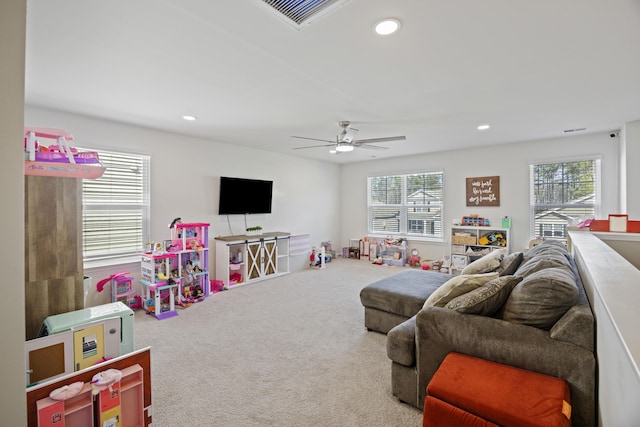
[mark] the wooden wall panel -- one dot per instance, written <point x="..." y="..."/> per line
<point x="53" y="249"/>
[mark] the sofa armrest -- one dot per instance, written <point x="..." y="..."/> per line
<point x="401" y="343"/>
<point x="440" y="331"/>
<point x="576" y="327"/>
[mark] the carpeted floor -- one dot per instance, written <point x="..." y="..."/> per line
<point x="289" y="351"/>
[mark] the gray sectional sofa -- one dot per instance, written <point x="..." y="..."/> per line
<point x="531" y="313"/>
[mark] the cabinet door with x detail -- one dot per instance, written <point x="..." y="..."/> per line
<point x="269" y="258"/>
<point x="254" y="260"/>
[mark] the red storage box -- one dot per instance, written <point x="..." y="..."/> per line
<point x="468" y="391"/>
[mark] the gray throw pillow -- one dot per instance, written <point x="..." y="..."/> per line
<point x="487" y="263"/>
<point x="542" y="298"/>
<point x="457" y="286"/>
<point x="510" y="264"/>
<point x="487" y="299"/>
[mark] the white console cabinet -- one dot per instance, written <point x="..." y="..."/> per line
<point x="246" y="259"/>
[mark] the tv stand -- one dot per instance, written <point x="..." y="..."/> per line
<point x="244" y="259"/>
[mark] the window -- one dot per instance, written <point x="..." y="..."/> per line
<point x="408" y="205"/>
<point x="561" y="193"/>
<point x="115" y="208"/>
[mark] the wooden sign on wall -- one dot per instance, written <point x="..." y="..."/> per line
<point x="483" y="191"/>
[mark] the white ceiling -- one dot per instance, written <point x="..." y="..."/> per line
<point x="531" y="69"/>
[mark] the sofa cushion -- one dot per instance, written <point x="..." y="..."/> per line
<point x="546" y="248"/>
<point x="510" y="264"/>
<point x="541" y="263"/>
<point x="457" y="286"/>
<point x="487" y="263"/>
<point x="542" y="298"/>
<point x="487" y="299"/>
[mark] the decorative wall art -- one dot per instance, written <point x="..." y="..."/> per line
<point x="483" y="191"/>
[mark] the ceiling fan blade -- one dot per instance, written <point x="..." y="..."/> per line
<point x="312" y="139"/>
<point x="371" y="147"/>
<point x="374" y="140"/>
<point x="349" y="134"/>
<point x="314" y="146"/>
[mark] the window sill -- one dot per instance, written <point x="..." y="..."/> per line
<point x="110" y="262"/>
<point x="410" y="238"/>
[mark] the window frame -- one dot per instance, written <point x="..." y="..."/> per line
<point x="404" y="207"/>
<point x="139" y="204"/>
<point x="596" y="205"/>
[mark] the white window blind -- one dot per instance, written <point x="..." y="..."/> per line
<point x="563" y="193"/>
<point x="115" y="207"/>
<point x="407" y="205"/>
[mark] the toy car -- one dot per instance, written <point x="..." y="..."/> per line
<point x="493" y="238"/>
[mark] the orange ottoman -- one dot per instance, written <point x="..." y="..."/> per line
<point x="467" y="391"/>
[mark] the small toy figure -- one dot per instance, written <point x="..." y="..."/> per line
<point x="198" y="291"/>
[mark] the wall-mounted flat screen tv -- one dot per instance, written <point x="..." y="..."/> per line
<point x="239" y="196"/>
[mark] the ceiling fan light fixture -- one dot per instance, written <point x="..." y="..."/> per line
<point x="387" y="26"/>
<point x="343" y="148"/>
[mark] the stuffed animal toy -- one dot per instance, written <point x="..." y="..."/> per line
<point x="414" y="259"/>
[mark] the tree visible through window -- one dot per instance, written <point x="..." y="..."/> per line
<point x="562" y="193"/>
<point x="406" y="204"/>
<point x="115" y="207"/>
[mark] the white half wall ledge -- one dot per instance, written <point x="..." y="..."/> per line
<point x="626" y="244"/>
<point x="612" y="284"/>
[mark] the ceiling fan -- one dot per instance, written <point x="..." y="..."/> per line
<point x="345" y="140"/>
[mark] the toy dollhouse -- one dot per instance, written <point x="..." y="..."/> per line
<point x="177" y="274"/>
<point x="121" y="289"/>
<point x="190" y="242"/>
<point x="160" y="289"/>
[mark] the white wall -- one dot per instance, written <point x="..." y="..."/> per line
<point x="13" y="408"/>
<point x="510" y="162"/>
<point x="185" y="175"/>
<point x="630" y="170"/>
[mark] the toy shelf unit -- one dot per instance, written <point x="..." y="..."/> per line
<point x="121" y="404"/>
<point x="243" y="259"/>
<point x="190" y="242"/>
<point x="160" y="289"/>
<point x="392" y="252"/>
<point x="74" y="411"/>
<point x="469" y="243"/>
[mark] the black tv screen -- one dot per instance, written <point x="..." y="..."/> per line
<point x="239" y="196"/>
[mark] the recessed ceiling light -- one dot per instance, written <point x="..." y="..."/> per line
<point x="332" y="151"/>
<point x="387" y="26"/>
<point x="483" y="127"/>
<point x="190" y="118"/>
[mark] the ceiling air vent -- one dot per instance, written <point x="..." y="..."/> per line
<point x="302" y="12"/>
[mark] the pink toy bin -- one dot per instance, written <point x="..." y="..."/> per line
<point x="215" y="286"/>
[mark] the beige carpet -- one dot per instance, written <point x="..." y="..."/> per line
<point x="289" y="351"/>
